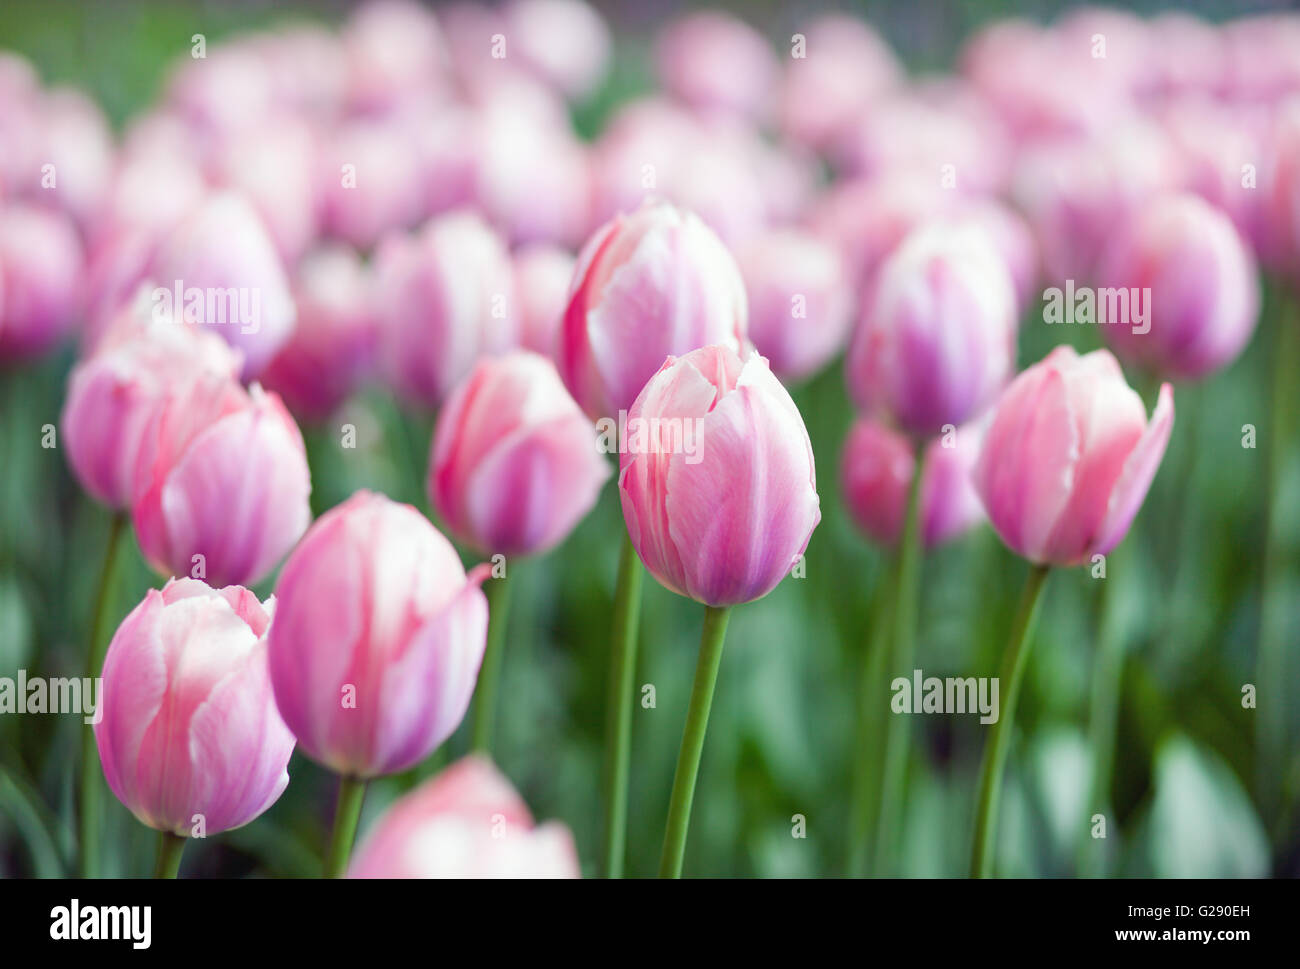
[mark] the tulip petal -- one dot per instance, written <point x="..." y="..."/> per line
<point x="1139" y="471"/>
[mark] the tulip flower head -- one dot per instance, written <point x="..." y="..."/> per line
<point x="1069" y="457"/>
<point x="112" y="395"/>
<point x="468" y="822"/>
<point x="515" y="464"/>
<point x="724" y="521"/>
<point x="378" y="638"/>
<point x="221" y="483"/>
<point x="876" y="472"/>
<point x="1199" y="281"/>
<point x="649" y="284"/>
<point x="937" y="337"/>
<point x="40" y="275"/>
<point x="190" y="733"/>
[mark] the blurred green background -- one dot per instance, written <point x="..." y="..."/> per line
<point x="1185" y="589"/>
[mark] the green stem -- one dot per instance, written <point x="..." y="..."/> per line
<point x="618" y="716"/>
<point x="170" y="848"/>
<point x="995" y="751"/>
<point x="489" y="676"/>
<point x="697" y="722"/>
<point x="897" y="728"/>
<point x="352" y="792"/>
<point x="865" y="790"/>
<point x="1271" y="659"/>
<point x="91" y="784"/>
<point x="1103" y="711"/>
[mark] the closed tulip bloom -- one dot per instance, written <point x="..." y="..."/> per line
<point x="336" y="339"/>
<point x="1203" y="285"/>
<point x="715" y="62"/>
<point x="876" y="475"/>
<point x="720" y="496"/>
<point x="468" y="822"/>
<point x="40" y="279"/>
<point x="1069" y="456"/>
<point x="378" y="638"/>
<point x="231" y="278"/>
<point x="542" y="276"/>
<point x="221" y="486"/>
<point x="189" y="727"/>
<point x="112" y="395"/>
<point x="647" y="285"/>
<point x="446" y="301"/>
<point x="563" y="42"/>
<point x="515" y="463"/>
<point x="800" y="301"/>
<point x="937" y="337"/>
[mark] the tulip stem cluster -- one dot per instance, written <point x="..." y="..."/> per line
<point x="618" y="723"/>
<point x="170" y="848"/>
<point x="900" y="663"/>
<point x="697" y="723"/>
<point x="1014" y="661"/>
<point x="91" y="782"/>
<point x="489" y="677"/>
<point x="352" y="792"/>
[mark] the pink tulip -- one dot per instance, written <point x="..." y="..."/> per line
<point x="190" y="733"/>
<point x="1279" y="237"/>
<point x="40" y="279"/>
<point x="76" y="141"/>
<point x="515" y="463"/>
<point x="230" y="276"/>
<point x="222" y="92"/>
<point x="649" y="284"/>
<point x="394" y="49"/>
<point x="221" y="486"/>
<point x="542" y="276"/>
<point x="1069" y="457"/>
<point x="715" y="62"/>
<point x="112" y="395"/>
<point x="336" y="339"/>
<point x="1202" y="282"/>
<point x="937" y="337"/>
<point x="844" y="67"/>
<point x="800" y="301"/>
<point x="720" y="495"/>
<point x="378" y="638"/>
<point x="467" y="822"/>
<point x="563" y="42"/>
<point x="446" y="300"/>
<point x="876" y="475"/>
<point x="371" y="181"/>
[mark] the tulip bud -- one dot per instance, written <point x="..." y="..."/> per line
<point x="563" y="42"/>
<point x="937" y="337"/>
<point x="336" y="338"/>
<point x="542" y="277"/>
<point x="378" y="638"/>
<point x="1069" y="456"/>
<point x="112" y="395"/>
<point x="189" y="733"/>
<point x="445" y="300"/>
<point x="1185" y="261"/>
<point x="647" y="285"/>
<point x="715" y="62"/>
<point x="219" y="269"/>
<point x="799" y="300"/>
<point x="40" y="279"/>
<point x="515" y="464"/>
<point x="221" y="484"/>
<point x="717" y="481"/>
<point x="467" y="822"/>
<point x="876" y="471"/>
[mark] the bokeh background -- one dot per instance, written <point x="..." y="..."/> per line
<point x="1187" y="595"/>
